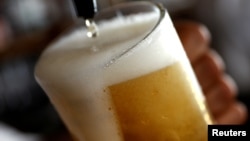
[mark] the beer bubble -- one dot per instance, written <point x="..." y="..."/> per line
<point x="144" y="122"/>
<point x="94" y="49"/>
<point x="155" y="92"/>
<point x="164" y="117"/>
<point x="104" y="90"/>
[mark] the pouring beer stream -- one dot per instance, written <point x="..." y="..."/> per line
<point x="87" y="9"/>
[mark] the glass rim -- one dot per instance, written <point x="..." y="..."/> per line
<point x="157" y="5"/>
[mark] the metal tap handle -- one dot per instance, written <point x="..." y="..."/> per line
<point x="85" y="8"/>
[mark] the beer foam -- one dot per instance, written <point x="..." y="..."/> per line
<point x="77" y="55"/>
<point x="158" y="50"/>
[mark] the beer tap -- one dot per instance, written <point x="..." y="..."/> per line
<point x="85" y="8"/>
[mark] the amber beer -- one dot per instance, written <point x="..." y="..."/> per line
<point x="160" y="106"/>
<point x="133" y="82"/>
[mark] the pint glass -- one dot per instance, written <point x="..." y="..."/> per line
<point x="132" y="82"/>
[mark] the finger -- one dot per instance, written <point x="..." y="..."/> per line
<point x="194" y="37"/>
<point x="236" y="114"/>
<point x="219" y="63"/>
<point x="208" y="69"/>
<point x="221" y="96"/>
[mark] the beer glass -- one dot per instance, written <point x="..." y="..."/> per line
<point x="131" y="82"/>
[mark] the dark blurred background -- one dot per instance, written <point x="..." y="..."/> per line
<point x="28" y="26"/>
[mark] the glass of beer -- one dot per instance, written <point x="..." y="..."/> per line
<point x="132" y="81"/>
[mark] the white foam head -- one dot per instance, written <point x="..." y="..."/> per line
<point x="84" y="55"/>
